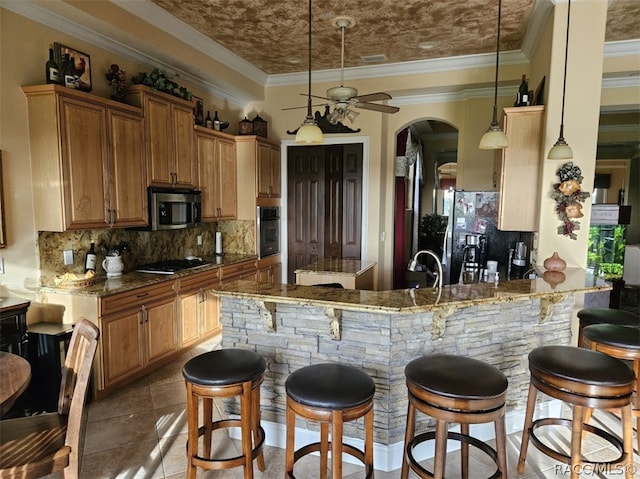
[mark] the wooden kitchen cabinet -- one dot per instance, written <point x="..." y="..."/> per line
<point x="198" y="307"/>
<point x="260" y="159"/>
<point x="518" y="169"/>
<point x="138" y="327"/>
<point x="88" y="168"/>
<point x="270" y="269"/>
<point x="169" y="137"/>
<point x="247" y="270"/>
<point x="216" y="153"/>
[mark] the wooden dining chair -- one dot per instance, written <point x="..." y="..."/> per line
<point x="35" y="446"/>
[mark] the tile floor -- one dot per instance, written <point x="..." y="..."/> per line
<point x="140" y="432"/>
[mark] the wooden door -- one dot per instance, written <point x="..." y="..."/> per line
<point x="210" y="313"/>
<point x="227" y="179"/>
<point x="324" y="214"/>
<point x="161" y="329"/>
<point x="185" y="171"/>
<point x="206" y="151"/>
<point x="122" y="353"/>
<point x="189" y="328"/>
<point x="128" y="178"/>
<point x="159" y="141"/>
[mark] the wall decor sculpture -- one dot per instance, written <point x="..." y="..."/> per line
<point x="569" y="197"/>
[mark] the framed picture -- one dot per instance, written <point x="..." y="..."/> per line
<point x="198" y="110"/>
<point x="81" y="64"/>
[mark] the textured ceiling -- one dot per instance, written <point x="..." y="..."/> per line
<point x="271" y="34"/>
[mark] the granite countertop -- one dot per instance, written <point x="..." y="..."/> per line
<point x="106" y="286"/>
<point x="347" y="267"/>
<point x="407" y="300"/>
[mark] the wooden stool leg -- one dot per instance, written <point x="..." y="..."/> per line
<point x="207" y="419"/>
<point x="528" y="420"/>
<point x="464" y="452"/>
<point x="336" y="444"/>
<point x="627" y="440"/>
<point x="192" y="435"/>
<point x="576" y="440"/>
<point x="408" y="436"/>
<point x="368" y="442"/>
<point x="636" y="407"/>
<point x="501" y="446"/>
<point x="441" y="449"/>
<point x="290" y="446"/>
<point x="245" y="421"/>
<point x="255" y="424"/>
<point x="324" y="449"/>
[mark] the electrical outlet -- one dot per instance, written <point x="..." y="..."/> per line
<point x="199" y="240"/>
<point x="68" y="256"/>
<point x="1" y="265"/>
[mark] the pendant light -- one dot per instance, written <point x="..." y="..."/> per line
<point x="561" y="150"/>
<point x="494" y="138"/>
<point x="309" y="133"/>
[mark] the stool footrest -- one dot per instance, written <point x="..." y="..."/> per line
<point x="346" y="448"/>
<point x="227" y="463"/>
<point x="456" y="436"/>
<point x="558" y="456"/>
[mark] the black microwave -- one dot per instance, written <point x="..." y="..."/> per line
<point x="174" y="209"/>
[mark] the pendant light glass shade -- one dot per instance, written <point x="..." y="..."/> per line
<point x="309" y="133"/>
<point x="561" y="150"/>
<point x="494" y="138"/>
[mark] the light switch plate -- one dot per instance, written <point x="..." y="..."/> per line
<point x="68" y="256"/>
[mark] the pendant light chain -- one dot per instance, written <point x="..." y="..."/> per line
<point x="309" y="115"/>
<point x="495" y="89"/>
<point x="564" y="81"/>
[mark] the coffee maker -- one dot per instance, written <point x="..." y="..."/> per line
<point x="518" y="260"/>
<point x="474" y="251"/>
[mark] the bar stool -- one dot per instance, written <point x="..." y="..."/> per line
<point x="222" y="374"/>
<point x="623" y="343"/>
<point x="454" y="389"/>
<point x="331" y="394"/>
<point x="589" y="316"/>
<point x="584" y="379"/>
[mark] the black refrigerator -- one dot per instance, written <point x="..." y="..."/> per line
<point x="473" y="219"/>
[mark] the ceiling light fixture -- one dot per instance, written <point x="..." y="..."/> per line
<point x="494" y="138"/>
<point x="309" y="133"/>
<point x="561" y="150"/>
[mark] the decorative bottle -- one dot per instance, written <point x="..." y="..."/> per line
<point x="68" y="72"/>
<point x="208" y="122"/>
<point x="216" y="122"/>
<point x="522" y="98"/>
<point x="51" y="69"/>
<point x="90" y="259"/>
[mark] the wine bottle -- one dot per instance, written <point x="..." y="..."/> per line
<point x="90" y="259"/>
<point x="216" y="122"/>
<point x="522" y="98"/>
<point x="68" y="72"/>
<point x="51" y="69"/>
<point x="208" y="122"/>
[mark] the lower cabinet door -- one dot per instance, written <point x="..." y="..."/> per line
<point x="210" y="309"/>
<point x="122" y="342"/>
<point x="189" y="311"/>
<point x="161" y="330"/>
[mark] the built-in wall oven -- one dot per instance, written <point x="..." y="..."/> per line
<point x="268" y="230"/>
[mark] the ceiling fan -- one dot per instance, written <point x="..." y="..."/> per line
<point x="345" y="98"/>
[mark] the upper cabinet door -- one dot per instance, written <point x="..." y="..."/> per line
<point x="84" y="156"/>
<point x="128" y="199"/>
<point x="227" y="183"/>
<point x="186" y="174"/>
<point x="268" y="170"/>
<point x="159" y="141"/>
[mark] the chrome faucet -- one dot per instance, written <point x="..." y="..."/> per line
<point x="414" y="262"/>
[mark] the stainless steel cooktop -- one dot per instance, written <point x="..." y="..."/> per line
<point x="171" y="266"/>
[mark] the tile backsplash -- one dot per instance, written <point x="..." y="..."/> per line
<point x="238" y="237"/>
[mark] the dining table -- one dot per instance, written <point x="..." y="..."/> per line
<point x="15" y="374"/>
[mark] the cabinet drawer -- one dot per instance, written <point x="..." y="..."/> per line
<point x="136" y="297"/>
<point x="239" y="269"/>
<point x="193" y="282"/>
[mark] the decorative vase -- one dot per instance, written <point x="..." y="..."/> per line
<point x="554" y="263"/>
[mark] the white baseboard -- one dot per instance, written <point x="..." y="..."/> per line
<point x="389" y="457"/>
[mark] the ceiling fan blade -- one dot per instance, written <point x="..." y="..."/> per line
<point x="376" y="107"/>
<point x="300" y="107"/>
<point x="374" y="97"/>
<point x="317" y="96"/>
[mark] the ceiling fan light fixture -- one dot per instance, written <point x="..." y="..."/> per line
<point x="309" y="133"/>
<point x="561" y="150"/>
<point x="495" y="138"/>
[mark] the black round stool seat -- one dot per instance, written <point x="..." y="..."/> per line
<point x="223" y="367"/>
<point x="330" y="386"/>
<point x="456" y="376"/>
<point x="614" y="335"/>
<point x="589" y="316"/>
<point x="454" y="389"/>
<point x="586" y="379"/>
<point x="331" y="394"/>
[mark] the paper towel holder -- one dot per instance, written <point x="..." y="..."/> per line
<point x="218" y="248"/>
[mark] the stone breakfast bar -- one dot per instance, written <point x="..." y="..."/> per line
<point x="293" y="326"/>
